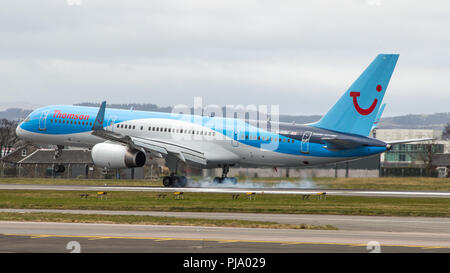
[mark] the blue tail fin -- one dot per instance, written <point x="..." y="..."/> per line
<point x="356" y="110"/>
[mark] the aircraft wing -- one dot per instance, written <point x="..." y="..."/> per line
<point x="156" y="147"/>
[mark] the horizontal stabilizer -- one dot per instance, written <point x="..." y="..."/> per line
<point x="334" y="144"/>
<point x="408" y="140"/>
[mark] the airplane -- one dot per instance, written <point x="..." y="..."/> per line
<point x="126" y="138"/>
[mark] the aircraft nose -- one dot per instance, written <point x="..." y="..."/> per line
<point x="19" y="131"/>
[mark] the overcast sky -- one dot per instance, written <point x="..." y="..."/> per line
<point x="300" y="55"/>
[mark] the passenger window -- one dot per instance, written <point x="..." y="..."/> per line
<point x="142" y="127"/>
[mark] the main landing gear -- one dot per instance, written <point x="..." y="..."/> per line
<point x="224" y="178"/>
<point x="174" y="181"/>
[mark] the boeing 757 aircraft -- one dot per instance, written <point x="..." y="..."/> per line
<point x="125" y="138"/>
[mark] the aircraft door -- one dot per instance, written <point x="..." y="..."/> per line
<point x="234" y="141"/>
<point x="304" y="147"/>
<point x="235" y="132"/>
<point x="43" y="121"/>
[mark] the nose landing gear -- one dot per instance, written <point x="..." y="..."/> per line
<point x="224" y="178"/>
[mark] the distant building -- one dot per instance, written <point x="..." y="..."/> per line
<point x="442" y="164"/>
<point x="32" y="162"/>
<point x="411" y="159"/>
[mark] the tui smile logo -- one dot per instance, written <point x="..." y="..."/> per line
<point x="358" y="108"/>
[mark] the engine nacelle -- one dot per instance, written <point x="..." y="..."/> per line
<point x="117" y="156"/>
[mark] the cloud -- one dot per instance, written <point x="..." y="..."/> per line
<point x="300" y="55"/>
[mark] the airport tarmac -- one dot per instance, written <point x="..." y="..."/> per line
<point x="393" y="234"/>
<point x="53" y="237"/>
<point x="342" y="222"/>
<point x="433" y="194"/>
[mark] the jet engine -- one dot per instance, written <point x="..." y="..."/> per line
<point x="117" y="156"/>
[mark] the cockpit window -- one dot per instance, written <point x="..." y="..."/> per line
<point x="26" y="119"/>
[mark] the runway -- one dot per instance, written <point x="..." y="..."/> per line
<point x="393" y="234"/>
<point x="295" y="191"/>
<point x="44" y="237"/>
<point x="342" y="222"/>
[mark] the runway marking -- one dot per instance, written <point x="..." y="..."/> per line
<point x="431" y="247"/>
<point x="215" y="240"/>
<point x="227" y="241"/>
<point x="97" y="238"/>
<point x="39" y="236"/>
<point x="161" y="240"/>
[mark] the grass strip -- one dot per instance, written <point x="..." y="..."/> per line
<point x="219" y="202"/>
<point x="149" y="220"/>
<point x="369" y="183"/>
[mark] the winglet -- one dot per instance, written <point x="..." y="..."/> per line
<point x="98" y="123"/>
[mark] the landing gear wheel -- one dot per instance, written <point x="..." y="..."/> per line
<point x="232" y="180"/>
<point x="220" y="180"/>
<point x="182" y="182"/>
<point x="167" y="181"/>
<point x="174" y="181"/>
